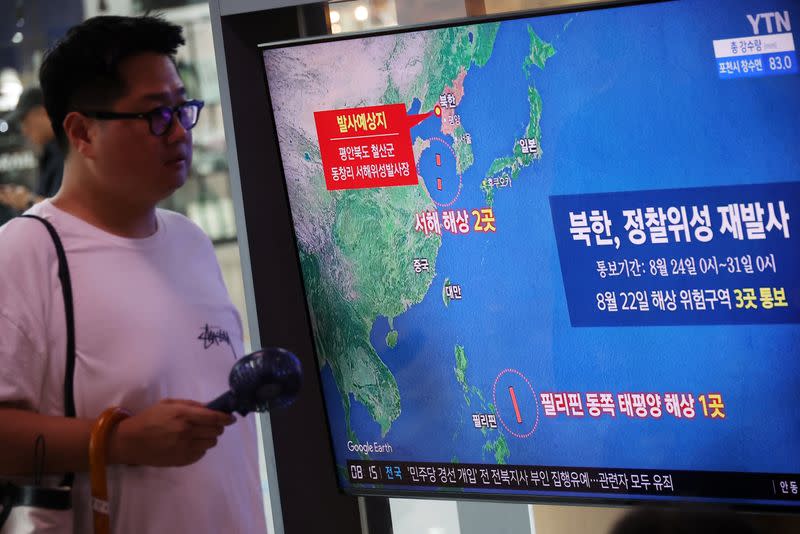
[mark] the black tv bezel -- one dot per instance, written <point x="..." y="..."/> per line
<point x="592" y="499"/>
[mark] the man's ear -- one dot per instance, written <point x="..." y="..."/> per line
<point x="79" y="130"/>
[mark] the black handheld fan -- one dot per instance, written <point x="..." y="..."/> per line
<point x="263" y="380"/>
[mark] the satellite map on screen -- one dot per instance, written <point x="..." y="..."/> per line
<point x="562" y="240"/>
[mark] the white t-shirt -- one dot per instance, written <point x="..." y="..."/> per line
<point x="152" y="320"/>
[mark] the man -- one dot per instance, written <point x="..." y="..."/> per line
<point x="35" y="126"/>
<point x="146" y="286"/>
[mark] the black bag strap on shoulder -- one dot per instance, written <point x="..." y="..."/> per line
<point x="69" y="312"/>
<point x="10" y="494"/>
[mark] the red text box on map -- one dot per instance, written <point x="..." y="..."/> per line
<point x="367" y="147"/>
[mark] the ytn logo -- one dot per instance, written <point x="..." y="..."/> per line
<point x="782" y="22"/>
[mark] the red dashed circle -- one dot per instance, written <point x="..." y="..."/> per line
<point x="460" y="179"/>
<point x="500" y="417"/>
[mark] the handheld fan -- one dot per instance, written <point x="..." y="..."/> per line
<point x="263" y="380"/>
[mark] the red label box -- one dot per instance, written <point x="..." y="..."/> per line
<point x="367" y="147"/>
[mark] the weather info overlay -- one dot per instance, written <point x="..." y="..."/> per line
<point x="555" y="256"/>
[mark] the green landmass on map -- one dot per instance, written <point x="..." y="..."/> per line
<point x="501" y="163"/>
<point x="445" y="298"/>
<point x="447" y="53"/>
<point x="374" y="229"/>
<point x="488" y="192"/>
<point x="532" y="131"/>
<point x="461" y="368"/>
<point x="497" y="446"/>
<point x="384" y="285"/>
<point x="355" y="367"/>
<point x="420" y="145"/>
<point x="500" y="449"/>
<point x="374" y="241"/>
<point x="539" y="54"/>
<point x="392" y="94"/>
<point x="391" y="339"/>
<point x="513" y="164"/>
<point x="463" y="150"/>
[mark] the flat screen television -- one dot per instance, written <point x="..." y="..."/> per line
<point x="554" y="256"/>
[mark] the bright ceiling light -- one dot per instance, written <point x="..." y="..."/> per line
<point x="335" y="17"/>
<point x="361" y="13"/>
<point x="10" y="89"/>
<point x="3" y="126"/>
<point x="17" y="39"/>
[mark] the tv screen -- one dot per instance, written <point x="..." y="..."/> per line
<point x="554" y="256"/>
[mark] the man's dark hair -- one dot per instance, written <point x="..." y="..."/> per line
<point x="81" y="72"/>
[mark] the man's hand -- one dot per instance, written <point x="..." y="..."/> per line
<point x="18" y="197"/>
<point x="170" y="433"/>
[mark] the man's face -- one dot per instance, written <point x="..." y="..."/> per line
<point x="36" y="127"/>
<point x="133" y="165"/>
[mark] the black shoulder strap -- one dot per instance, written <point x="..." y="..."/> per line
<point x="66" y="288"/>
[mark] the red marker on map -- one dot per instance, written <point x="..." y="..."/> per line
<point x="367" y="147"/>
<point x="514" y="402"/>
<point x="437" y="110"/>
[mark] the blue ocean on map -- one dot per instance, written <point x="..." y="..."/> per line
<point x="631" y="100"/>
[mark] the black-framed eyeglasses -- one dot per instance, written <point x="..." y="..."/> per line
<point x="160" y="118"/>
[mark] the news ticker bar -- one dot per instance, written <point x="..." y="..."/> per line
<point x="525" y="478"/>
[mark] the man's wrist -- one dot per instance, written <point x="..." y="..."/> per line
<point x="119" y="450"/>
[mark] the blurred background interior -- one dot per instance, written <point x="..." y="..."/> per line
<point x="29" y="27"/>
